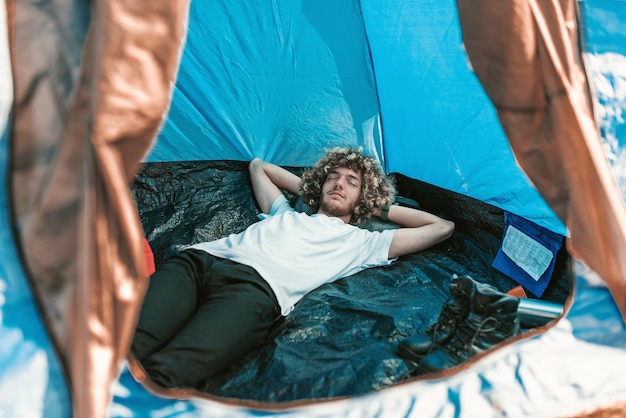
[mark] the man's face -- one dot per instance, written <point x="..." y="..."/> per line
<point x="340" y="193"/>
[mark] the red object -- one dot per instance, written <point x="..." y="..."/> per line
<point x="149" y="257"/>
<point x="517" y="291"/>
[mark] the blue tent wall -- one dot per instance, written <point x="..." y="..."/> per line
<point x="276" y="80"/>
<point x="439" y="126"/>
<point x="284" y="80"/>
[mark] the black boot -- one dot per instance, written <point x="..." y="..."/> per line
<point x="492" y="318"/>
<point x="453" y="312"/>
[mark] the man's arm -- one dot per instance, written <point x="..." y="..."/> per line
<point x="419" y="231"/>
<point x="268" y="180"/>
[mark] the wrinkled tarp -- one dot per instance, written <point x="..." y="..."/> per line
<point x="341" y="339"/>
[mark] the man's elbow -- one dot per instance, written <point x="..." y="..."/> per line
<point x="447" y="229"/>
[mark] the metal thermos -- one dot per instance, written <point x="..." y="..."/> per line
<point x="535" y="312"/>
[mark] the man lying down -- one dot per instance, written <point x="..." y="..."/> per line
<point x="208" y="306"/>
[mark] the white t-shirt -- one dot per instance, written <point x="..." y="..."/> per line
<point x="296" y="253"/>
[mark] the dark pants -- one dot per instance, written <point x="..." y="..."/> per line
<point x="201" y="314"/>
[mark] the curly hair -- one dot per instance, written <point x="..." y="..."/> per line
<point x="377" y="189"/>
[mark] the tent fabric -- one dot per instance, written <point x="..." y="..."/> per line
<point x="90" y="92"/>
<point x="347" y="70"/>
<point x="59" y="47"/>
<point x="533" y="72"/>
<point x="435" y="113"/>
<point x="29" y="366"/>
<point x="292" y="91"/>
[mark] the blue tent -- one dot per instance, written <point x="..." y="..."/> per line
<point x="285" y="80"/>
